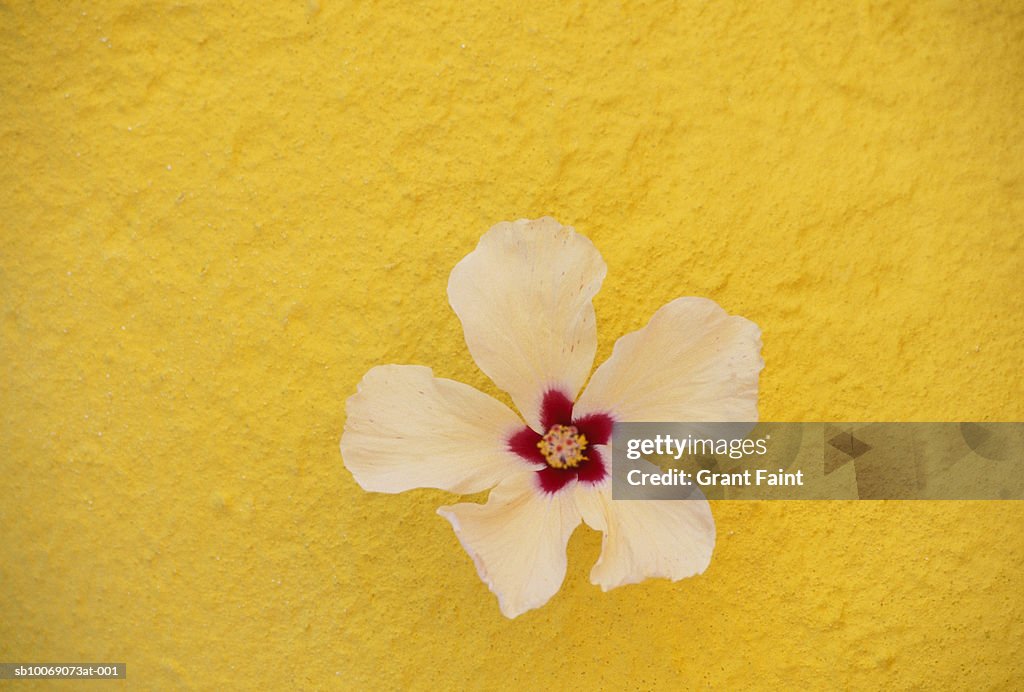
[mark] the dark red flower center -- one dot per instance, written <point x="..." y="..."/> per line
<point x="568" y="446"/>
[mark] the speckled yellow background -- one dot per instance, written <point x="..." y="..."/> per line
<point x="217" y="216"/>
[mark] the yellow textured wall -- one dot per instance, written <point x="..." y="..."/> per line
<point x="217" y="216"/>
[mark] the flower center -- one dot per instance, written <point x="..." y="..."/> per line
<point x="563" y="447"/>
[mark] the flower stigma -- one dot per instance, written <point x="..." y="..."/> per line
<point x="563" y="447"/>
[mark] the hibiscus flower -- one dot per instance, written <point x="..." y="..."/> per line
<point x="524" y="299"/>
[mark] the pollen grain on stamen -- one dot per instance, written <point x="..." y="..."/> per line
<point x="563" y="447"/>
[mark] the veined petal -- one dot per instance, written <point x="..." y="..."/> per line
<point x="524" y="299"/>
<point x="407" y="429"/>
<point x="692" y="362"/>
<point x="517" y="540"/>
<point x="673" y="539"/>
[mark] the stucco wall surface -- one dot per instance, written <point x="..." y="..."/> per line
<point x="215" y="217"/>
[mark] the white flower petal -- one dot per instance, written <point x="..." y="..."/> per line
<point x="407" y="429"/>
<point x="524" y="299"/>
<point x="517" y="540"/>
<point x="673" y="539"/>
<point x="691" y="362"/>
